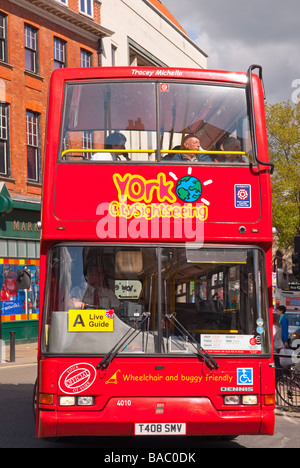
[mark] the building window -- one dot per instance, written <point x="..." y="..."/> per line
<point x="59" y="53"/>
<point x="33" y="146"/>
<point x="65" y="2"/>
<point x="4" y="140"/>
<point x="3" y="38"/>
<point x="140" y="57"/>
<point x="87" y="139"/>
<point x="31" y="49"/>
<point x="86" y="58"/>
<point x="86" y="7"/>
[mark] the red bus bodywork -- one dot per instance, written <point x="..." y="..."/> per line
<point x="136" y="394"/>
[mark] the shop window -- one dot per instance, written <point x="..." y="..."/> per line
<point x="31" y="251"/>
<point x="12" y="248"/>
<point x="3" y="248"/>
<point x="22" y="249"/>
<point x="19" y="304"/>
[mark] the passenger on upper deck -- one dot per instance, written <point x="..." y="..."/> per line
<point x="115" y="141"/>
<point x="192" y="143"/>
<point x="230" y="144"/>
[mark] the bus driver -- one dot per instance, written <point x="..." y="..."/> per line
<point x="94" y="292"/>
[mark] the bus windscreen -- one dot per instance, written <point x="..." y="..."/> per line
<point x="101" y="295"/>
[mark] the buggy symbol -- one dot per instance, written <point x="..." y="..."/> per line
<point x="113" y="378"/>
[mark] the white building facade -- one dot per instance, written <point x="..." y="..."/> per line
<point x="146" y="34"/>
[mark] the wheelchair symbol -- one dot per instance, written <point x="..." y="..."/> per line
<point x="245" y="376"/>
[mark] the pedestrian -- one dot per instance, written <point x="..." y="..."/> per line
<point x="284" y="325"/>
<point x="278" y="345"/>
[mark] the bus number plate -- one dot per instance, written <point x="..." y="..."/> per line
<point x="160" y="429"/>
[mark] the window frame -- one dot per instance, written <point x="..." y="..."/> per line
<point x="33" y="48"/>
<point x="4" y="39"/>
<point x="85" y="6"/>
<point x="86" y="58"/>
<point x="87" y="139"/>
<point x="5" y="138"/>
<point x="33" y="142"/>
<point x="62" y="50"/>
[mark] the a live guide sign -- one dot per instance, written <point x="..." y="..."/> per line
<point x="91" y="321"/>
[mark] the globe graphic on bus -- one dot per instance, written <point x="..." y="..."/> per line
<point x="189" y="189"/>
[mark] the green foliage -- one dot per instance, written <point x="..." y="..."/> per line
<point x="283" y="124"/>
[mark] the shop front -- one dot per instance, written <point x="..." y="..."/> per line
<point x="19" y="248"/>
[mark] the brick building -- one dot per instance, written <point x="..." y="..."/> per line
<point x="37" y="36"/>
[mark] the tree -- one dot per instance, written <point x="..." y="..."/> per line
<point x="283" y="125"/>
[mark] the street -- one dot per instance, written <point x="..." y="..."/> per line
<point x="17" y="427"/>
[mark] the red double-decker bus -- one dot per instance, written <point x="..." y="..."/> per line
<point x="156" y="261"/>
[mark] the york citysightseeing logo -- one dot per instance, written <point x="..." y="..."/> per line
<point x="155" y="208"/>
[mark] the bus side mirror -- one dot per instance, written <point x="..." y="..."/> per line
<point x="282" y="279"/>
<point x="23" y="278"/>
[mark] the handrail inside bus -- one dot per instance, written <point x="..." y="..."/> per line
<point x="152" y="151"/>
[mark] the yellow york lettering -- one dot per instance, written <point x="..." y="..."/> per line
<point x="136" y="188"/>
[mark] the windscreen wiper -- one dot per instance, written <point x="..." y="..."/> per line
<point x="108" y="358"/>
<point x="209" y="361"/>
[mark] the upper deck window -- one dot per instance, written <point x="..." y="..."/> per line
<point x="150" y="121"/>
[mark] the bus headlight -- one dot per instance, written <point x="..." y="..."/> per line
<point x="232" y="400"/>
<point x="67" y="401"/>
<point x="85" y="401"/>
<point x="240" y="400"/>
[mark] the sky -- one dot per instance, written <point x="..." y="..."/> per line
<point x="238" y="33"/>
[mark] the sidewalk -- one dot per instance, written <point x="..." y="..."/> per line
<point x="24" y="354"/>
